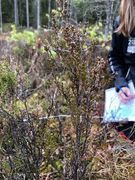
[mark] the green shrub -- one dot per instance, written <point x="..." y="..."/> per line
<point x="95" y="32"/>
<point x="25" y="36"/>
<point x="7" y="78"/>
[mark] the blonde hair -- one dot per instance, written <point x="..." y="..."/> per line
<point x="127" y="17"/>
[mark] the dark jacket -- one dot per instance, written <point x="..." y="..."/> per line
<point x="122" y="56"/>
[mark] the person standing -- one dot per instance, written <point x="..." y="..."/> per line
<point x="122" y="59"/>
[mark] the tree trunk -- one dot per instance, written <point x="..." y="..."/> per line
<point x="27" y="13"/>
<point x="0" y="18"/>
<point x="49" y="14"/>
<point x="84" y="10"/>
<point x="38" y="14"/>
<point x="16" y="12"/>
<point x="109" y="13"/>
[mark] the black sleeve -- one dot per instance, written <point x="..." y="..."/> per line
<point x="116" y="58"/>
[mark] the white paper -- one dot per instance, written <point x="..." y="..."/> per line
<point x="116" y="111"/>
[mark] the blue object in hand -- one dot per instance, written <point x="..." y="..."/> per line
<point x="120" y="89"/>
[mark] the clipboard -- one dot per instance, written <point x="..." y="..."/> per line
<point x="115" y="110"/>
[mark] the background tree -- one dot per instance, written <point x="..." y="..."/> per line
<point x="0" y="17"/>
<point x="27" y="13"/>
<point x="49" y="13"/>
<point x="90" y="11"/>
<point x="16" y="15"/>
<point x="38" y="13"/>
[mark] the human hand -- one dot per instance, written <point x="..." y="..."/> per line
<point x="125" y="95"/>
